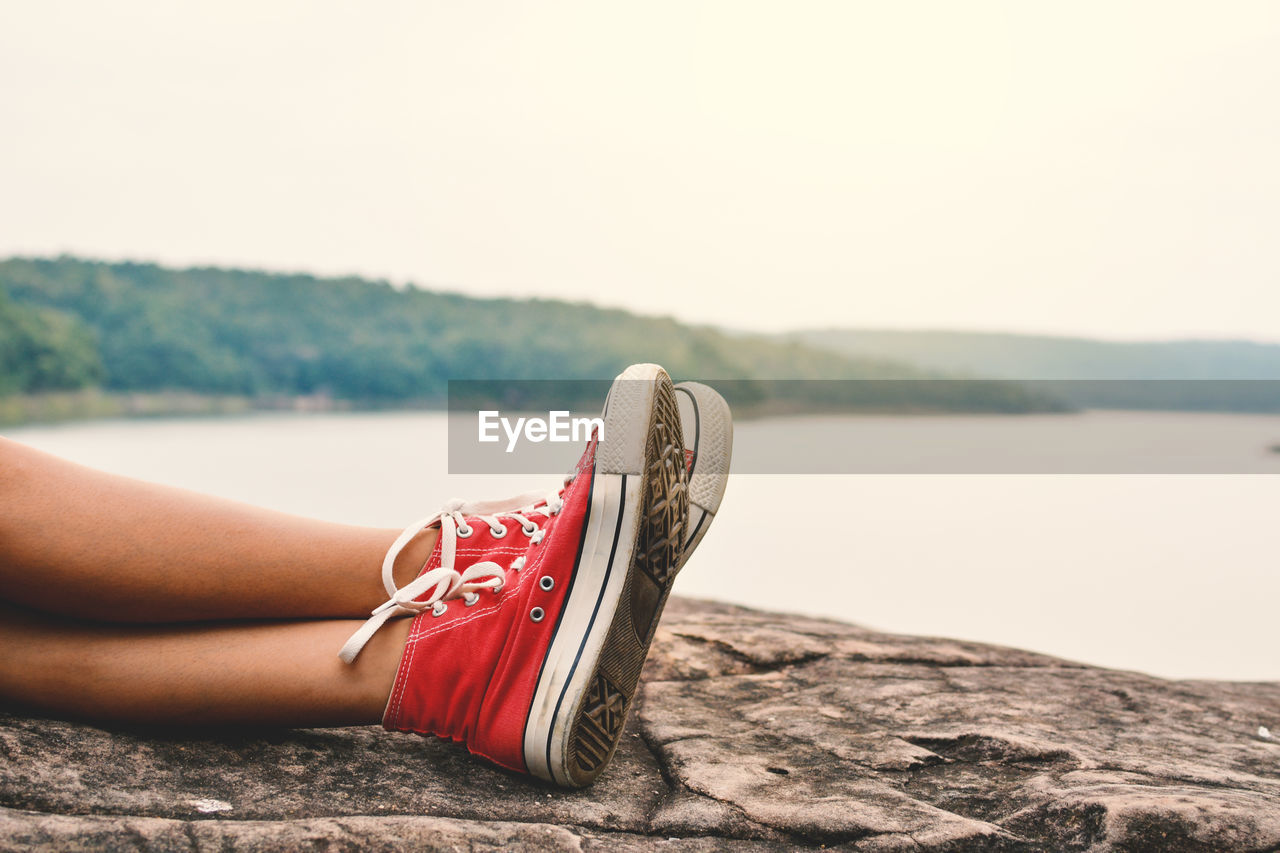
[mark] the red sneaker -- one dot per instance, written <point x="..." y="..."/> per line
<point x="533" y="616"/>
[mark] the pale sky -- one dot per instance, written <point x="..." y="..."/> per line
<point x="1108" y="168"/>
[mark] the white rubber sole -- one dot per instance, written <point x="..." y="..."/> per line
<point x="629" y="555"/>
<point x="708" y="434"/>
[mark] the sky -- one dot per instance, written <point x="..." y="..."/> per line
<point x="1101" y="168"/>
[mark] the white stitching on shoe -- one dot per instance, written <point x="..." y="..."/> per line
<point x="421" y="632"/>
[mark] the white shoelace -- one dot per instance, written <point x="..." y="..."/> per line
<point x="444" y="583"/>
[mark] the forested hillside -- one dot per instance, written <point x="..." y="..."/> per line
<point x="44" y="350"/>
<point x="222" y="334"/>
<point x="142" y="327"/>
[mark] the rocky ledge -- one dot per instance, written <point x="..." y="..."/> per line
<point x="752" y="731"/>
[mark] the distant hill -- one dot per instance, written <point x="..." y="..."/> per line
<point x="70" y="323"/>
<point x="1173" y="375"/>
<point x="1007" y="356"/>
<point x="241" y="332"/>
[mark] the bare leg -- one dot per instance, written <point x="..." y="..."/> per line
<point x="283" y="673"/>
<point x="84" y="543"/>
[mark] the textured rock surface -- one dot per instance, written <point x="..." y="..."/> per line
<point x="753" y="730"/>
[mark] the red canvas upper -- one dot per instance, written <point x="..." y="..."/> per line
<point x="470" y="673"/>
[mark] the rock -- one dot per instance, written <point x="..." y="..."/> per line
<point x="752" y="731"/>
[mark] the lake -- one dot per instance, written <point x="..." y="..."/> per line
<point x="1171" y="574"/>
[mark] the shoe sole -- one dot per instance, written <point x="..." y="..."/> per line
<point x="630" y="552"/>
<point x="708" y="433"/>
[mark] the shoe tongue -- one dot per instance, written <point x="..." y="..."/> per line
<point x="493" y="507"/>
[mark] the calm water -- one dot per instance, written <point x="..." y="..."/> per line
<point x="1171" y="574"/>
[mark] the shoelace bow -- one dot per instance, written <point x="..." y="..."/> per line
<point x="445" y="583"/>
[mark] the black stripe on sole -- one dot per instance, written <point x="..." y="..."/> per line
<point x="598" y="721"/>
<point x="694" y="532"/>
<point x="613" y="550"/>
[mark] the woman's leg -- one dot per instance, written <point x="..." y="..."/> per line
<point x="84" y="543"/>
<point x="283" y="673"/>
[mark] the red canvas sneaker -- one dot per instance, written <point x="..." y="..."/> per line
<point x="533" y="616"/>
<point x="708" y="446"/>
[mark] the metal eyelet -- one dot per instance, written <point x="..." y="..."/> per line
<point x="438" y="608"/>
<point x="530" y="530"/>
<point x="498" y="532"/>
<point x="470" y="598"/>
<point x="537" y="614"/>
<point x="546" y="582"/>
<point x="464" y="532"/>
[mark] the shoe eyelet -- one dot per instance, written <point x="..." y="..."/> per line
<point x="546" y="582"/>
<point x="498" y="532"/>
<point x="537" y="614"/>
<point x="497" y="589"/>
<point x="464" y="532"/>
<point x="469" y="599"/>
<point x="530" y="530"/>
<point x="438" y="608"/>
